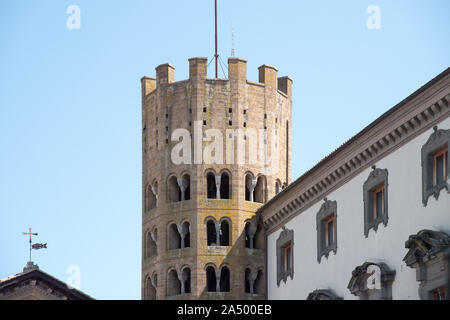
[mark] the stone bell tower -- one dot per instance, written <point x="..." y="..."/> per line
<point x="201" y="238"/>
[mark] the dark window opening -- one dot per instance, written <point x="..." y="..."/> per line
<point x="211" y="186"/>
<point x="211" y="233"/>
<point x="174" y="238"/>
<point x="225" y="280"/>
<point x="224" y="234"/>
<point x="225" y="186"/>
<point x="211" y="282"/>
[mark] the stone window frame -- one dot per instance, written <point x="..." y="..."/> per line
<point x="429" y="254"/>
<point x="360" y="275"/>
<point x="439" y="139"/>
<point x="286" y="237"/>
<point x="323" y="294"/>
<point x="328" y="209"/>
<point x="377" y="178"/>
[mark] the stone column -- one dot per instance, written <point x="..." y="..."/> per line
<point x="155" y="192"/>
<point x="218" y="179"/>
<point x="217" y="233"/>
<point x="218" y="280"/>
<point x="252" y="278"/>
<point x="183" y="184"/>
<point x="251" y="184"/>
<point x="182" y="277"/>
<point x="182" y="233"/>
<point x="251" y="233"/>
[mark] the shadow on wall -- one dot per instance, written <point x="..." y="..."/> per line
<point x="241" y="274"/>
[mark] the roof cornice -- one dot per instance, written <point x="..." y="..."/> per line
<point x="417" y="113"/>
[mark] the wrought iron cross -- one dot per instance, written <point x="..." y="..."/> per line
<point x="30" y="234"/>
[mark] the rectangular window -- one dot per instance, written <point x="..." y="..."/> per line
<point x="329" y="231"/>
<point x="439" y="294"/>
<point x="440" y="159"/>
<point x="230" y="110"/>
<point x="378" y="202"/>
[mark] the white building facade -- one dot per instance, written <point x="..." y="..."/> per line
<point x="371" y="220"/>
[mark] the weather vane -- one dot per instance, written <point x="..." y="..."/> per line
<point x="35" y="246"/>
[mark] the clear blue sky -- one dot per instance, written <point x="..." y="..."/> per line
<point x="70" y="105"/>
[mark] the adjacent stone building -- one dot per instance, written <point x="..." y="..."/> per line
<point x="35" y="284"/>
<point x="200" y="236"/>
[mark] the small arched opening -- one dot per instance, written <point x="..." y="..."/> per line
<point x="211" y="185"/>
<point x="173" y="283"/>
<point x="174" y="237"/>
<point x="211" y="281"/>
<point x="225" y="186"/>
<point x="186" y="235"/>
<point x="211" y="233"/>
<point x="225" y="234"/>
<point x="225" y="279"/>
<point x="174" y="190"/>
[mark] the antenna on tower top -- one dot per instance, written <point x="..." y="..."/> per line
<point x="232" y="40"/>
<point x="216" y="55"/>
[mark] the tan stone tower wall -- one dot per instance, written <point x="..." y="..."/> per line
<point x="201" y="103"/>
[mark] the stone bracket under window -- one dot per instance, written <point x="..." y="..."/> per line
<point x="439" y="139"/>
<point x="323" y="294"/>
<point x="286" y="237"/>
<point x="372" y="281"/>
<point x="429" y="255"/>
<point x="378" y="177"/>
<point x="327" y="210"/>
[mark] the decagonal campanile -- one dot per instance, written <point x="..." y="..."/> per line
<point x="213" y="150"/>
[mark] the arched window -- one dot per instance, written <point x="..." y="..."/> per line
<point x="225" y="233"/>
<point x="186" y="236"/>
<point x="260" y="190"/>
<point x="277" y="187"/>
<point x="258" y="285"/>
<point x="211" y="281"/>
<point x="225" y="279"/>
<point x="150" y="290"/>
<point x="187" y="191"/>
<point x="211" y="185"/>
<point x="150" y="197"/>
<point x="225" y="186"/>
<point x="247" y="280"/>
<point x="211" y="233"/>
<point x="150" y="244"/>
<point x="174" y="237"/>
<point x="174" y="190"/>
<point x="186" y="288"/>
<point x="173" y="283"/>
